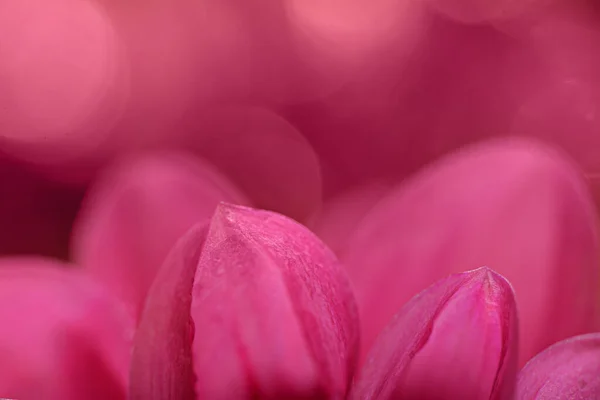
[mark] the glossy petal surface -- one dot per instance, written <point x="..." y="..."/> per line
<point x="457" y="339"/>
<point x="273" y="313"/>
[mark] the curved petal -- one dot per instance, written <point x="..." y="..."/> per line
<point x="341" y="214"/>
<point x="341" y="41"/>
<point x="566" y="370"/>
<point x="481" y="11"/>
<point x="263" y="154"/>
<point x="273" y="313"/>
<point x="61" y="64"/>
<point x="455" y="340"/>
<point x="161" y="365"/>
<point x="136" y="213"/>
<point x="63" y="337"/>
<point x="36" y="215"/>
<point x="515" y="206"/>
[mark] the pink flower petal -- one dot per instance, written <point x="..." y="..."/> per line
<point x="161" y="365"/>
<point x="37" y="215"/>
<point x="340" y="40"/>
<point x="515" y="206"/>
<point x="274" y="316"/>
<point x="61" y="63"/>
<point x="341" y="214"/>
<point x="566" y="370"/>
<point x="136" y="213"/>
<point x="455" y="340"/>
<point x="481" y="11"/>
<point x="62" y="336"/>
<point x="264" y="155"/>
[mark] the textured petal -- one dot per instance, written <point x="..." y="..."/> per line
<point x="264" y="155"/>
<point x="273" y="313"/>
<point x="515" y="206"/>
<point x="62" y="336"/>
<point x="136" y="213"/>
<point x="455" y="340"/>
<point x="161" y="365"/>
<point x="566" y="370"/>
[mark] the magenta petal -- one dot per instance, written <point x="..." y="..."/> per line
<point x="274" y="316"/>
<point x="161" y="365"/>
<point x="61" y="63"/>
<point x="455" y="340"/>
<point x="566" y="370"/>
<point x="515" y="206"/>
<point x="336" y="221"/>
<point x="136" y="213"/>
<point x="264" y="155"/>
<point x="62" y="337"/>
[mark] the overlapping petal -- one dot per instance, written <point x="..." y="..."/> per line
<point x="515" y="206"/>
<point x="62" y="337"/>
<point x="263" y="154"/>
<point x="255" y="307"/>
<point x="566" y="370"/>
<point x="457" y="339"/>
<point x="161" y="365"/>
<point x="273" y="312"/>
<point x="136" y="213"/>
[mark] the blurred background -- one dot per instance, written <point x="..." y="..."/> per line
<point x="296" y="102"/>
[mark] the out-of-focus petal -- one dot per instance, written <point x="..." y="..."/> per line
<point x="62" y="337"/>
<point x="482" y="11"/>
<point x="565" y="109"/>
<point x="136" y="213"/>
<point x="36" y="214"/>
<point x="341" y="214"/>
<point x="161" y="365"/>
<point x="455" y="340"/>
<point x="341" y="40"/>
<point x="515" y="206"/>
<point x="566" y="370"/>
<point x="273" y="313"/>
<point x="60" y="69"/>
<point x="264" y="155"/>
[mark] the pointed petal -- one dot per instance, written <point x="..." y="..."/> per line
<point x="63" y="336"/>
<point x="136" y="213"/>
<point x="515" y="206"/>
<point x="566" y="370"/>
<point x="161" y="365"/>
<point x="273" y="311"/>
<point x="264" y="155"/>
<point x="457" y="339"/>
